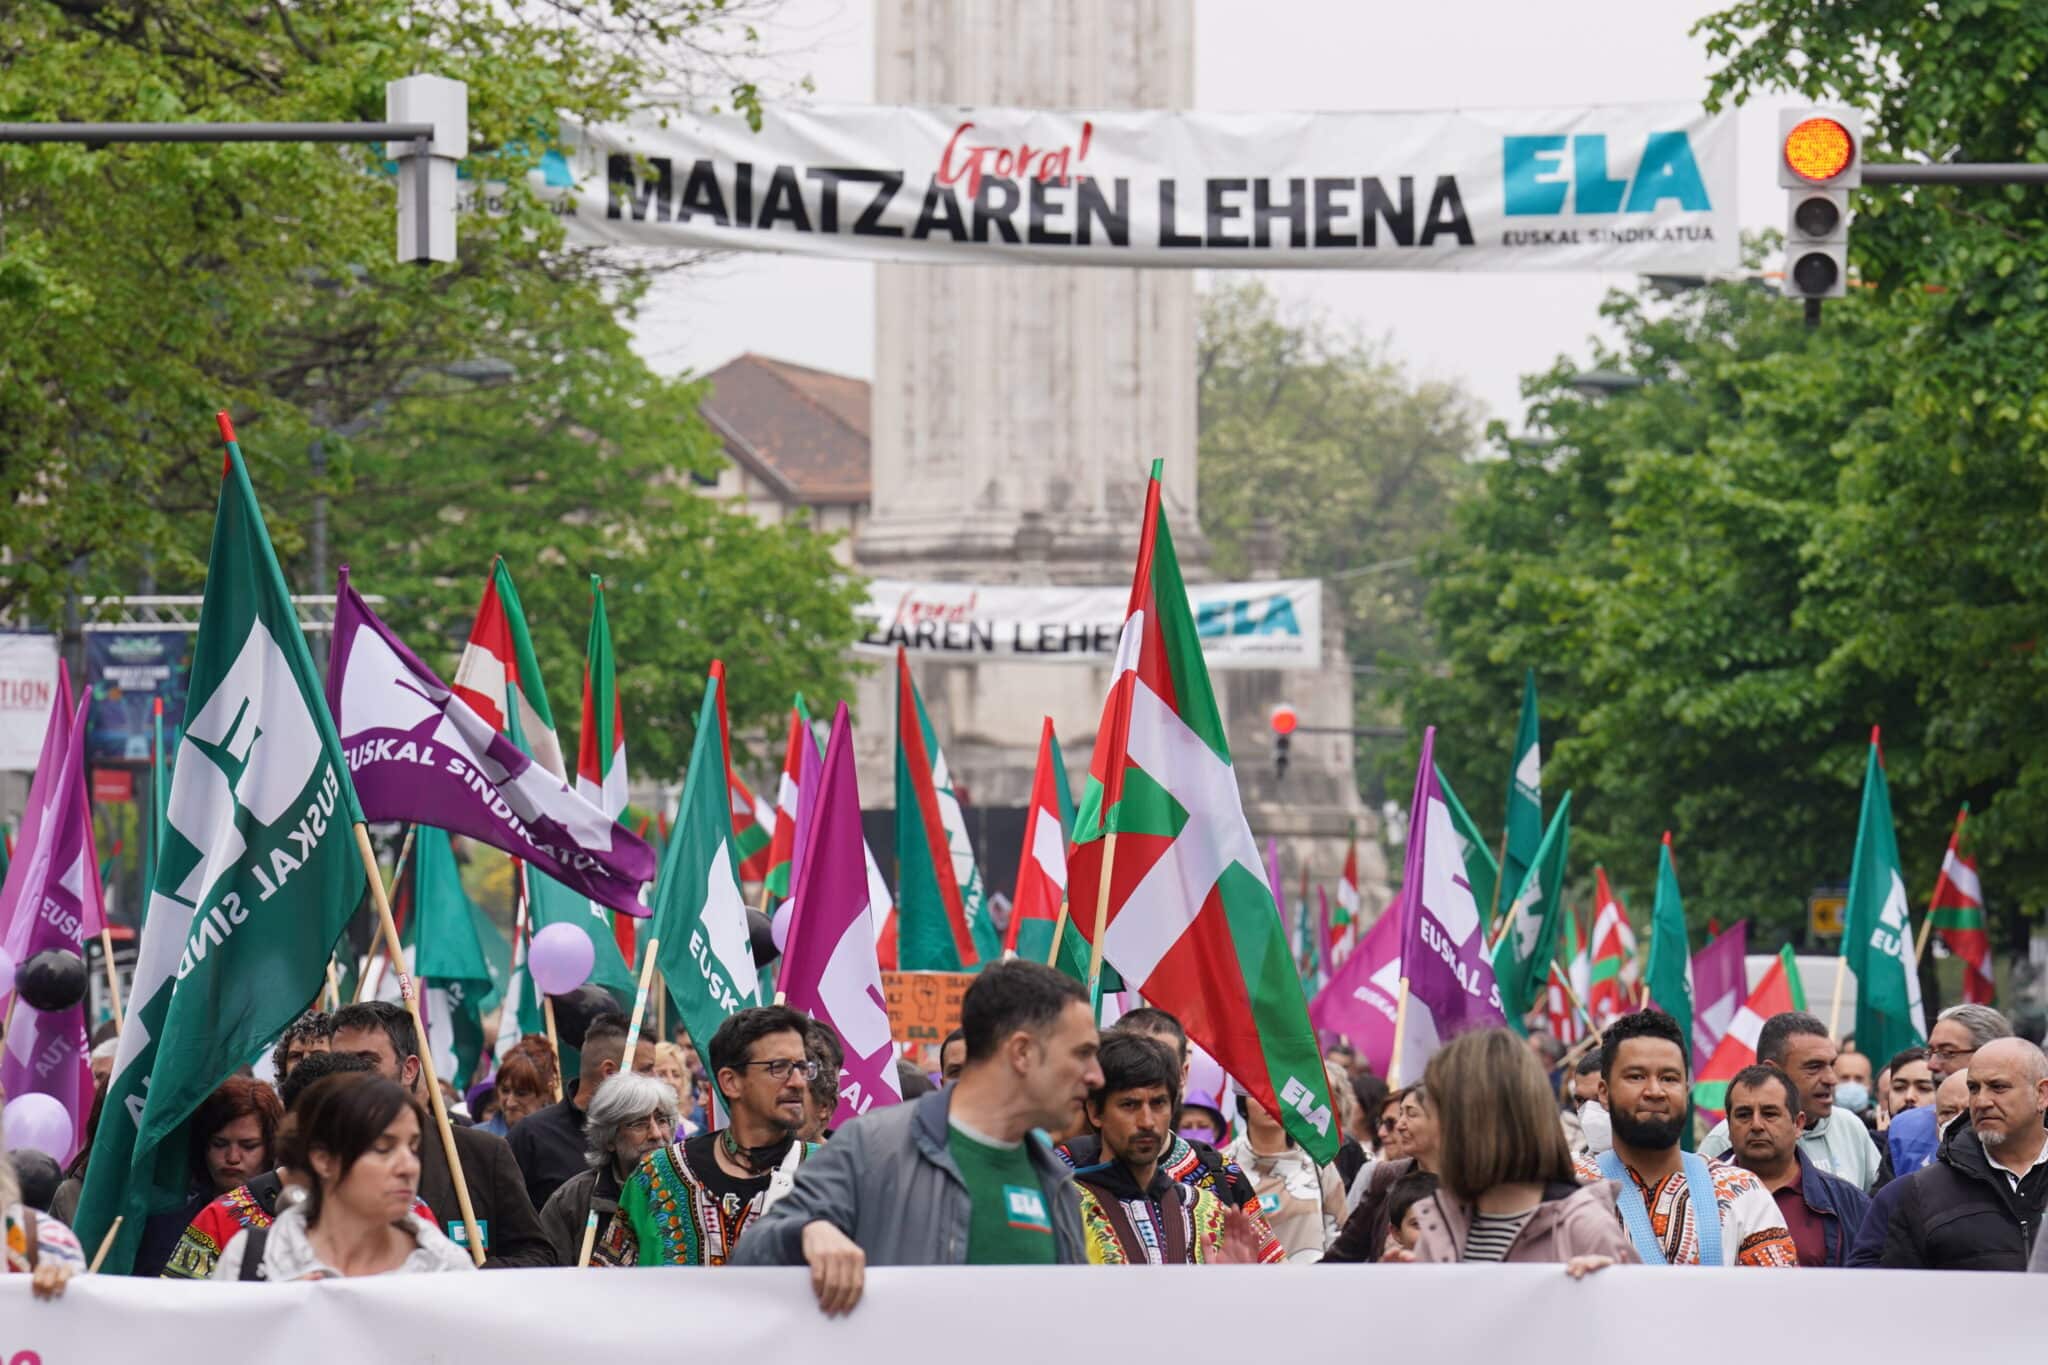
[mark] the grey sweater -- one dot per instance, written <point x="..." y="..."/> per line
<point x="887" y="1181"/>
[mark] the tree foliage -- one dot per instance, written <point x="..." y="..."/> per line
<point x="1726" y="577"/>
<point x="142" y="287"/>
<point x="1322" y="442"/>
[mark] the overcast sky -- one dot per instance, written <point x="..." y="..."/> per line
<point x="1485" y="330"/>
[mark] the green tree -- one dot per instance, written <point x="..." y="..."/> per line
<point x="1320" y="440"/>
<point x="143" y="287"/>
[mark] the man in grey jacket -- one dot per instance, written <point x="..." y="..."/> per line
<point x="963" y="1176"/>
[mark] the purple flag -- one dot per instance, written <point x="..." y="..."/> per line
<point x="1720" y="985"/>
<point x="14" y="927"/>
<point x="416" y="751"/>
<point x="1360" y="1000"/>
<point x="50" y="1053"/>
<point x="830" y="970"/>
<point x="1443" y="946"/>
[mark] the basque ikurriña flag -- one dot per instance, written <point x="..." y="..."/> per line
<point x="1163" y="855"/>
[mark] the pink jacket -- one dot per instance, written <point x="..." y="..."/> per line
<point x="1572" y="1220"/>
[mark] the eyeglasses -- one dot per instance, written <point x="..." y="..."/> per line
<point x="1951" y="1054"/>
<point x="781" y="1067"/>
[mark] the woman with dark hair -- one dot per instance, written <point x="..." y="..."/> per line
<point x="234" y="1139"/>
<point x="355" y="1139"/>
<point x="1507" y="1188"/>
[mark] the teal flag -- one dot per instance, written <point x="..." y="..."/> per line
<point x="448" y="957"/>
<point x="1670" y="970"/>
<point x="1529" y="927"/>
<point x="257" y="875"/>
<point x="1481" y="868"/>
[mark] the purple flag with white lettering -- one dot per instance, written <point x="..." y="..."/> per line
<point x="1443" y="944"/>
<point x="417" y="751"/>
<point x="42" y="791"/>
<point x="830" y="969"/>
<point x="1360" y="1000"/>
<point x="49" y="1053"/>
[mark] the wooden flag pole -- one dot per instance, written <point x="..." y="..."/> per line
<point x="1835" y="1008"/>
<point x="1955" y="839"/>
<point x="640" y="1000"/>
<point x="1059" y="929"/>
<point x="331" y="997"/>
<point x="397" y="876"/>
<point x="1101" y="918"/>
<point x="1500" y="874"/>
<point x="113" y="977"/>
<point x="1400" y="1031"/>
<point x="547" y="1009"/>
<point x="411" y="998"/>
<point x="589" y="1236"/>
<point x="106" y="1244"/>
<point x="660" y="1000"/>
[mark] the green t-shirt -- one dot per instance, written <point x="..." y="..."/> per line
<point x="1012" y="1221"/>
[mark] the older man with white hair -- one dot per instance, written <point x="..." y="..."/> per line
<point x="630" y="1116"/>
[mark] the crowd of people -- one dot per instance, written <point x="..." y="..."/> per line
<point x="1042" y="1139"/>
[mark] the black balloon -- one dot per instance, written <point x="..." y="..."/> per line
<point x="762" y="932"/>
<point x="574" y="1011"/>
<point x="51" y="980"/>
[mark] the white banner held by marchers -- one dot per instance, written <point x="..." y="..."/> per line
<point x="1276" y="624"/>
<point x="1647" y="187"/>
<point x="28" y="681"/>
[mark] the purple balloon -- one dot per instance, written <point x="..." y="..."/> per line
<point x="560" y="958"/>
<point x="39" y="1122"/>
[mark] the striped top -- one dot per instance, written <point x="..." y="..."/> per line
<point x="1493" y="1233"/>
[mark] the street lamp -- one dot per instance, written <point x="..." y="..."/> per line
<point x="1604" y="383"/>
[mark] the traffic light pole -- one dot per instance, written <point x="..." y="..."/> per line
<point x="1955" y="173"/>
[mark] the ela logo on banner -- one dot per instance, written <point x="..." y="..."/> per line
<point x="1539" y="173"/>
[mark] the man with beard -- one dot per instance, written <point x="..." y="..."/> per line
<point x="1979" y="1206"/>
<point x="690" y="1201"/>
<point x="1642" y="1061"/>
<point x="1132" y="1211"/>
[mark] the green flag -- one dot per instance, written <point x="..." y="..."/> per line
<point x="700" y="918"/>
<point x="257" y="875"/>
<point x="1670" y="970"/>
<point x="497" y="956"/>
<point x="448" y="957"/>
<point x="1481" y="869"/>
<point x="1525" y="796"/>
<point x="1877" y="930"/>
<point x="1528" y="929"/>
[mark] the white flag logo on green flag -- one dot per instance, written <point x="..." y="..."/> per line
<point x="257" y="875"/>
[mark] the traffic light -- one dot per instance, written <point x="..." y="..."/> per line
<point x="1283" y="721"/>
<point x="1820" y="161"/>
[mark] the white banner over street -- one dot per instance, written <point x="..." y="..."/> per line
<point x="1242" y="625"/>
<point x="1647" y="187"/>
<point x="1531" y="1314"/>
<point x="28" y="683"/>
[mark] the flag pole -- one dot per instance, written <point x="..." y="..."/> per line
<point x="1059" y="930"/>
<point x="397" y="876"/>
<point x="1101" y="918"/>
<point x="547" y="1009"/>
<point x="589" y="1236"/>
<point x="1835" y="1006"/>
<point x="333" y="992"/>
<point x="1500" y="875"/>
<point x="1955" y="838"/>
<point x="640" y="999"/>
<point x="106" y="1244"/>
<point x="113" y="977"/>
<point x="660" y="999"/>
<point x="1400" y="1031"/>
<point x="411" y="998"/>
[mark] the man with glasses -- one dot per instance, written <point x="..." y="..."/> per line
<point x="631" y="1117"/>
<point x="1914" y="1137"/>
<point x="690" y="1201"/>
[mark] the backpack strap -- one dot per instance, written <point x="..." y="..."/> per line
<point x="1706" y="1207"/>
<point x="1635" y="1216"/>
<point x="30" y="1237"/>
<point x="252" y="1253"/>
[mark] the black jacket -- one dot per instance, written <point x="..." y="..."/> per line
<point x="511" y="1230"/>
<point x="549" y="1147"/>
<point x="1961" y="1213"/>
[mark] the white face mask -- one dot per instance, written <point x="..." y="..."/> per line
<point x="1597" y="1126"/>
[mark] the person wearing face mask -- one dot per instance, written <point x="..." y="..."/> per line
<point x="1596" y="1130"/>
<point x="356" y="1139"/>
<point x="1834" y="1138"/>
<point x="1662" y="1191"/>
